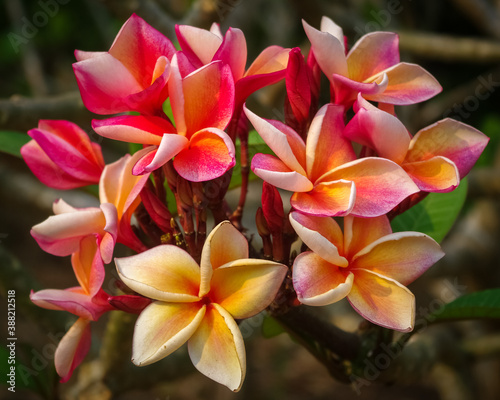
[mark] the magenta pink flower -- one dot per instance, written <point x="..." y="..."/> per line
<point x="201" y="47"/>
<point x="202" y="105"/>
<point x="131" y="76"/>
<point x="87" y="301"/>
<point x="62" y="156"/>
<point x="324" y="173"/>
<point x="365" y="262"/>
<point x="372" y="67"/>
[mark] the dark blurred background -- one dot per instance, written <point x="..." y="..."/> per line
<point x="458" y="41"/>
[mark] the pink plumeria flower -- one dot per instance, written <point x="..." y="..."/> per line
<point x="366" y="263"/>
<point x="202" y="105"/>
<point x="198" y="304"/>
<point x="88" y="301"/>
<point x="202" y="47"/>
<point x="62" y="156"/>
<point x="324" y="173"/>
<point x="131" y="76"/>
<point x="62" y="233"/>
<point x="436" y="158"/>
<point x="372" y="67"/>
<point x="118" y="186"/>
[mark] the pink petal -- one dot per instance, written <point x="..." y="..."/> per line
<point x="327" y="25"/>
<point x="328" y="50"/>
<point x="170" y="146"/>
<point x="379" y="131"/>
<point x="215" y="29"/>
<point x="199" y="45"/>
<point x="268" y="68"/>
<point x="283" y="141"/>
<point x="275" y="172"/>
<point x="203" y="99"/>
<point x="147" y="156"/>
<point x="402" y="256"/>
<point x="372" y="54"/>
<point x="119" y="186"/>
<point x="60" y="207"/>
<point x="107" y="239"/>
<point x="345" y="90"/>
<point x="73" y="300"/>
<point x="60" y="235"/>
<point x="72" y="349"/>
<point x="209" y="155"/>
<point x="318" y="282"/>
<point x="271" y="60"/>
<point x="322" y="235"/>
<point x="361" y="232"/>
<point x="380" y="185"/>
<point x="67" y="157"/>
<point x="48" y="172"/>
<point x="75" y="136"/>
<point x="81" y="55"/>
<point x="327" y="199"/>
<point x="437" y="174"/>
<point x="138" y="46"/>
<point x="69" y="147"/>
<point x="104" y="83"/>
<point x="452" y="139"/>
<point x="217" y="349"/>
<point x="134" y="128"/>
<point x="233" y="52"/>
<point x="382" y="301"/>
<point x="408" y="84"/>
<point x="88" y="266"/>
<point x="150" y="100"/>
<point x="326" y="148"/>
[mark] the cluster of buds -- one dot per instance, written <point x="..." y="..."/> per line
<point x="350" y="158"/>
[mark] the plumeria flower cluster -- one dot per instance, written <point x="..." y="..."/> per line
<point x="351" y="158"/>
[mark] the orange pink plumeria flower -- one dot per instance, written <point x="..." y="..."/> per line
<point x="197" y="304"/>
<point x="372" y="67"/>
<point x="436" y="158"/>
<point x="365" y="262"/>
<point x="88" y="301"/>
<point x="324" y="173"/>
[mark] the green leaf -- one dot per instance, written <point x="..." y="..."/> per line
<point x="134" y="147"/>
<point x="167" y="109"/>
<point x="11" y="142"/>
<point x="484" y="304"/>
<point x="271" y="327"/>
<point x="435" y="215"/>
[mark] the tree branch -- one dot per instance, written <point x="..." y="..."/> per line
<point x="23" y="113"/>
<point x="485" y="17"/>
<point x="449" y="48"/>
